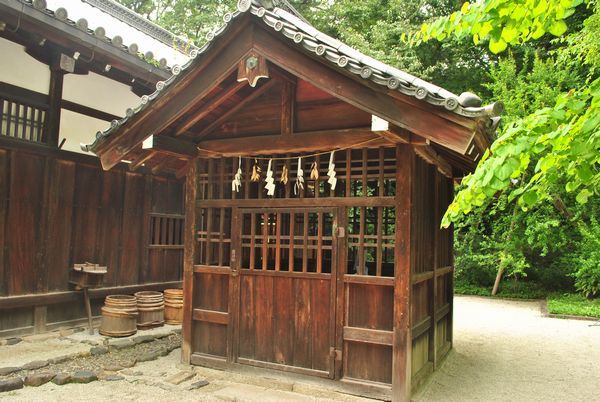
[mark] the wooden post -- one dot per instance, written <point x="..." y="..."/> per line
<point x="88" y="309"/>
<point x="189" y="258"/>
<point x="52" y="125"/>
<point x="402" y="342"/>
<point x="39" y="319"/>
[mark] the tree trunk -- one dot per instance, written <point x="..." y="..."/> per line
<point x="502" y="265"/>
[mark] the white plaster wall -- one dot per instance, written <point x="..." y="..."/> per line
<point x="78" y="128"/>
<point x="96" y="91"/>
<point x="19" y="68"/>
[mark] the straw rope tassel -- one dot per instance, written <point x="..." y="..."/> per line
<point x="270" y="186"/>
<point x="236" y="183"/>
<point x="331" y="171"/>
<point x="299" y="185"/>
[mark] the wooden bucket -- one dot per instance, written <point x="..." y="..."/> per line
<point x="173" y="306"/>
<point x="151" y="309"/>
<point x="119" y="316"/>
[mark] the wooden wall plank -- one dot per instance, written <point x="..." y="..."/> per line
<point x="23" y="241"/>
<point x="132" y="224"/>
<point x="60" y="224"/>
<point x="4" y="194"/>
<point x="283" y="333"/>
<point x="87" y="207"/>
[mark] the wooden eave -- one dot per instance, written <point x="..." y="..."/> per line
<point x="176" y="110"/>
<point x="31" y="23"/>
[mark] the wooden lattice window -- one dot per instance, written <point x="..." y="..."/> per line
<point x="166" y="230"/>
<point x="22" y="120"/>
<point x="360" y="173"/>
<point x="371" y="234"/>
<point x="287" y="240"/>
<point x="214" y="236"/>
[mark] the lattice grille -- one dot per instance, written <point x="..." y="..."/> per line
<point x="287" y="240"/>
<point x="360" y="173"/>
<point x="23" y="121"/>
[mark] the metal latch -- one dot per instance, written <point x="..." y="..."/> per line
<point x="336" y="354"/>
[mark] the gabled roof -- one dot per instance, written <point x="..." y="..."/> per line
<point x="111" y="23"/>
<point x="332" y="50"/>
<point x="457" y="122"/>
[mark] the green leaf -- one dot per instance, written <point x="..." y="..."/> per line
<point x="583" y="196"/>
<point x="465" y="7"/>
<point x="497" y="46"/>
<point x="571" y="186"/>
<point x="558" y="28"/>
<point x="585" y="173"/>
<point x="530" y="197"/>
<point x="509" y="34"/>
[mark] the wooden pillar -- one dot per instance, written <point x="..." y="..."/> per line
<point x="189" y="258"/>
<point x="403" y="259"/>
<point x="52" y="123"/>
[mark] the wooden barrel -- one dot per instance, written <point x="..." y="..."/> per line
<point x="173" y="306"/>
<point x="119" y="316"/>
<point x="151" y="309"/>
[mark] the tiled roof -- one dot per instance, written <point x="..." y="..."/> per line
<point x="336" y="52"/>
<point x="112" y="23"/>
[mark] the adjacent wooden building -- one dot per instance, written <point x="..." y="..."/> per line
<point x="62" y="76"/>
<point x="351" y="282"/>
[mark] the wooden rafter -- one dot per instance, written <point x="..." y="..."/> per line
<point x="211" y="105"/>
<point x="140" y="160"/>
<point x="255" y="94"/>
<point x="166" y="110"/>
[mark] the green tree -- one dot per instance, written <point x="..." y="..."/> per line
<point x="547" y="152"/>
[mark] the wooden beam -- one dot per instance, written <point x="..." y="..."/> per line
<point x="173" y="104"/>
<point x="170" y="146"/>
<point x="215" y="317"/>
<point x="52" y="123"/>
<point x="73" y="296"/>
<point x="403" y="261"/>
<point x="430" y="156"/>
<point x="367" y="335"/>
<point x="140" y="160"/>
<point x="296" y="143"/>
<point x="255" y="94"/>
<point x="211" y="105"/>
<point x="288" y="103"/>
<point x="427" y="121"/>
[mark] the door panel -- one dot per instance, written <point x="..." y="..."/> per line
<point x="287" y="289"/>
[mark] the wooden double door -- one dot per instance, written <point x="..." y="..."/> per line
<point x="281" y="293"/>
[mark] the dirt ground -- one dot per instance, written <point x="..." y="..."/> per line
<point x="507" y="351"/>
<point x="503" y="351"/>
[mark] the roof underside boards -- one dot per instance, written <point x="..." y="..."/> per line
<point x="336" y="72"/>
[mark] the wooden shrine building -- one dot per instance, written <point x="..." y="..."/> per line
<point x="284" y="267"/>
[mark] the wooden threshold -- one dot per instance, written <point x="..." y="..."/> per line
<point x="284" y="367"/>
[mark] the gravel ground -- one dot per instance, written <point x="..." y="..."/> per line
<point x="507" y="351"/>
<point x="503" y="351"/>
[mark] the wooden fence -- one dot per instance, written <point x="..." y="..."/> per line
<point x="58" y="208"/>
